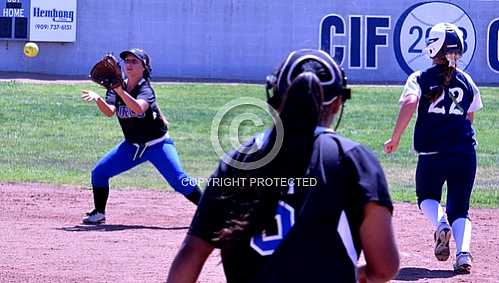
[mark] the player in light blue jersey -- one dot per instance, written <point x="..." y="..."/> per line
<point x="445" y="98"/>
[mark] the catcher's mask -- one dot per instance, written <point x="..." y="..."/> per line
<point x="444" y="38"/>
<point x="330" y="74"/>
<point x="142" y="56"/>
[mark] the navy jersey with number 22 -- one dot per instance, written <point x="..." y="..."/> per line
<point x="442" y="125"/>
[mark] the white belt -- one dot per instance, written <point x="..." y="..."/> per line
<point x="139" y="152"/>
<point x="428" y="153"/>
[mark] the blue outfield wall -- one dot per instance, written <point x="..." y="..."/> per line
<point x="376" y="41"/>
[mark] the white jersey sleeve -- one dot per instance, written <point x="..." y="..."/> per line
<point x="411" y="86"/>
<point x="476" y="104"/>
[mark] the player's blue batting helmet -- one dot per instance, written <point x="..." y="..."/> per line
<point x="331" y="75"/>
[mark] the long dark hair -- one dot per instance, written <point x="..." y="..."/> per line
<point x="249" y="210"/>
<point x="442" y="73"/>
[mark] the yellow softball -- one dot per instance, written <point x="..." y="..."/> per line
<point x="30" y="49"/>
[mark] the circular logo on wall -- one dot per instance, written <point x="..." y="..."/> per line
<point x="414" y="25"/>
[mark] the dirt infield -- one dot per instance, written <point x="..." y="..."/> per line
<point x="42" y="240"/>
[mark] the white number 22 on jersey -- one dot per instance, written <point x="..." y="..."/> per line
<point x="457" y="92"/>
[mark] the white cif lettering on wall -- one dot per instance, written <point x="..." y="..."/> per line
<point x="56" y="15"/>
<point x="357" y="38"/>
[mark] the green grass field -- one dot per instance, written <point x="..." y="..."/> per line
<point x="49" y="135"/>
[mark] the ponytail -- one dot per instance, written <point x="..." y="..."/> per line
<point x="440" y="75"/>
<point x="299" y="113"/>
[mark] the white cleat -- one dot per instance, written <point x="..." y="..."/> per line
<point x="463" y="263"/>
<point x="94" y="217"/>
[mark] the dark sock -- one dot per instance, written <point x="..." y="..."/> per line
<point x="100" y="199"/>
<point x="195" y="196"/>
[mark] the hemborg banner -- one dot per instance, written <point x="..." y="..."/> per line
<point x="38" y="20"/>
<point x="53" y="20"/>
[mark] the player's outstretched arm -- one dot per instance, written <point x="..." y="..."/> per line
<point x="407" y="108"/>
<point x="378" y="244"/>
<point x="103" y="106"/>
<point x="189" y="260"/>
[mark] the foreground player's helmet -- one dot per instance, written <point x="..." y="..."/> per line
<point x="330" y="74"/>
<point x="444" y="38"/>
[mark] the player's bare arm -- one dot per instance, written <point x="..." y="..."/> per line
<point x="103" y="106"/>
<point x="378" y="242"/>
<point x="189" y="260"/>
<point x="407" y="108"/>
<point x="470" y="116"/>
<point x="138" y="106"/>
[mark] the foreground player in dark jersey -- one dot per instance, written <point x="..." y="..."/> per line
<point x="446" y="99"/>
<point x="296" y="231"/>
<point x="145" y="131"/>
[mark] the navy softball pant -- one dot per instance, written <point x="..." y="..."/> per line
<point x="458" y="169"/>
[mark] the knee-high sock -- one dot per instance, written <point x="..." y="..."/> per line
<point x="433" y="211"/>
<point x="100" y="199"/>
<point x="461" y="230"/>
